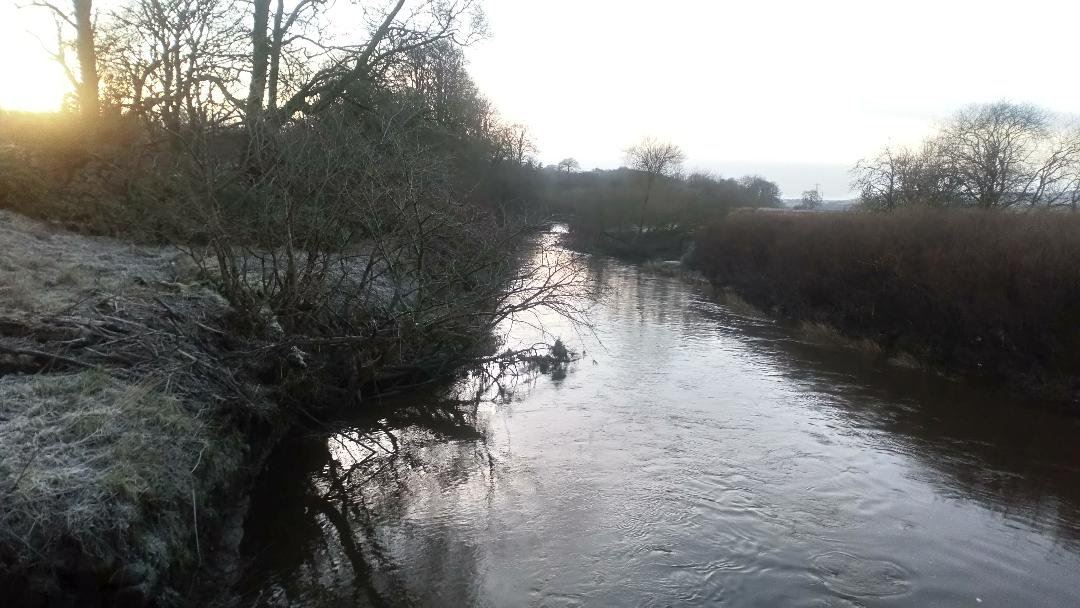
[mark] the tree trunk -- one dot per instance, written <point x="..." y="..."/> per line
<point x="276" y="43"/>
<point x="87" y="55"/>
<point x="330" y="92"/>
<point x="644" y="203"/>
<point x="260" y="54"/>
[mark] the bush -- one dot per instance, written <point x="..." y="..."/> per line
<point x="115" y="180"/>
<point x="990" y="292"/>
<point x="21" y="187"/>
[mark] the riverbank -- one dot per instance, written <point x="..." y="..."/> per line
<point x="137" y="404"/>
<point x="987" y="294"/>
<point x="956" y="293"/>
<point x="127" y="440"/>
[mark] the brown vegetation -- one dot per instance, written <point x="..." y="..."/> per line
<point x="990" y="293"/>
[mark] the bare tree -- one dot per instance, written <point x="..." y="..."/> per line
<point x="655" y="159"/>
<point x="171" y="62"/>
<point x="990" y="146"/>
<point x="903" y="177"/>
<point x="346" y="63"/>
<point x="1056" y="179"/>
<point x="879" y="180"/>
<point x="266" y="61"/>
<point x="436" y="79"/>
<point x="84" y="50"/>
<point x="515" y="143"/>
<point x="996" y="152"/>
<point x="987" y="156"/>
<point x="570" y="165"/>
<point x="763" y="193"/>
<point x="260" y="60"/>
<point x="811" y="200"/>
<point x="80" y="19"/>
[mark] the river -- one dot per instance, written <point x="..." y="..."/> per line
<point x="694" y="456"/>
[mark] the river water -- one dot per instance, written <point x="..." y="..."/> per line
<point x="694" y="456"/>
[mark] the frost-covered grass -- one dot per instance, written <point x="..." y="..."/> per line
<point x="114" y="452"/>
<point x="44" y="271"/>
<point x="100" y="462"/>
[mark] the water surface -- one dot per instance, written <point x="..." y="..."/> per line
<point x="694" y="456"/>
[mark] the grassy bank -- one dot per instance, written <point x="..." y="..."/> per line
<point x="124" y="440"/>
<point x="992" y="294"/>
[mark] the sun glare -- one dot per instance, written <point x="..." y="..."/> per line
<point x="29" y="79"/>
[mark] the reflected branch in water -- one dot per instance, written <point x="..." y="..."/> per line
<point x="362" y="572"/>
<point x="351" y="490"/>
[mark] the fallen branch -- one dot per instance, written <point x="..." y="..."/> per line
<point x="37" y="354"/>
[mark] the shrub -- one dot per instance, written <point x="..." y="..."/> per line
<point x="21" y="187"/>
<point x="991" y="292"/>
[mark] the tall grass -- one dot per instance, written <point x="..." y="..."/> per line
<point x="988" y="292"/>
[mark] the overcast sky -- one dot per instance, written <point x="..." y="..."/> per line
<point x="796" y="90"/>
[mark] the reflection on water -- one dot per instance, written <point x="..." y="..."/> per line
<point x="693" y="457"/>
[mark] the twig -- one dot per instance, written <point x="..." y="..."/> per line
<point x="169" y="309"/>
<point x="26" y="467"/>
<point x="37" y="354"/>
<point x="209" y="329"/>
<point x="198" y="461"/>
<point x="195" y="521"/>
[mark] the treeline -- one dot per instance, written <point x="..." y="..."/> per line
<point x="612" y="199"/>
<point x="348" y="189"/>
<point x="991" y="156"/>
<point x="649" y="207"/>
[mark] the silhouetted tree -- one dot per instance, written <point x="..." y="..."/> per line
<point x="655" y="159"/>
<point x="569" y="165"/>
<point x="761" y="191"/>
<point x="175" y="63"/>
<point x="811" y="199"/>
<point x="80" y="19"/>
<point x="260" y="61"/>
<point x="902" y="177"/>
<point x="987" y="156"/>
<point x="348" y="63"/>
<point x="993" y="150"/>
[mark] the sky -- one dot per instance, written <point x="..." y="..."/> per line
<point x="795" y="90"/>
<point x="29" y="79"/>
